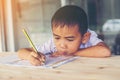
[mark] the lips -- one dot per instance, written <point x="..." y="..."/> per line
<point x="63" y="53"/>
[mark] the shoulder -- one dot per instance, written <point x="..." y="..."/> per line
<point x="93" y="33"/>
<point x="93" y="40"/>
<point x="47" y="47"/>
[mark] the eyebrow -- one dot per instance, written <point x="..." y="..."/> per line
<point x="55" y="34"/>
<point x="65" y="37"/>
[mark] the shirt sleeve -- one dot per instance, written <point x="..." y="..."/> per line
<point x="47" y="48"/>
<point x="94" y="40"/>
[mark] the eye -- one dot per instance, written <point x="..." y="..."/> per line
<point x="70" y="39"/>
<point x="57" y="38"/>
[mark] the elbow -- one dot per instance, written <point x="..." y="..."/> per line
<point x="106" y="53"/>
<point x="104" y="50"/>
<point x="20" y="53"/>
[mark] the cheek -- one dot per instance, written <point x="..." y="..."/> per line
<point x="74" y="45"/>
<point x="56" y="42"/>
<point x="71" y="46"/>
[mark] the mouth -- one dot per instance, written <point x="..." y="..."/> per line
<point x="62" y="53"/>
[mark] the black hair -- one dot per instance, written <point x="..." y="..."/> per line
<point x="71" y="15"/>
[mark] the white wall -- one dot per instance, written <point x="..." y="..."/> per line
<point x="9" y="26"/>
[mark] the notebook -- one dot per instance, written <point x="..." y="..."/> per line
<point x="51" y="62"/>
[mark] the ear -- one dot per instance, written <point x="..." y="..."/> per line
<point x="86" y="37"/>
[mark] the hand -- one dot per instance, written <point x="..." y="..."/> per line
<point x="56" y="54"/>
<point x="36" y="58"/>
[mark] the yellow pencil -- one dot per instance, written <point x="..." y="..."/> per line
<point x="30" y="41"/>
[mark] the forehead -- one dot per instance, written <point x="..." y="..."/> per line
<point x="66" y="30"/>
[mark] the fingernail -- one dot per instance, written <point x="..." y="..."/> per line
<point x="42" y="63"/>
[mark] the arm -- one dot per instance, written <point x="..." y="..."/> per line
<point x="24" y="53"/>
<point x="29" y="54"/>
<point x="99" y="50"/>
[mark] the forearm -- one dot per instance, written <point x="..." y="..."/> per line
<point x="94" y="51"/>
<point x="24" y="53"/>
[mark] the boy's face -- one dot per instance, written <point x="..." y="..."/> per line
<point x="67" y="39"/>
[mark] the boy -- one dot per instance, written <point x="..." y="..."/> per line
<point x="71" y="36"/>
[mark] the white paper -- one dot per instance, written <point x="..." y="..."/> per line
<point x="51" y="62"/>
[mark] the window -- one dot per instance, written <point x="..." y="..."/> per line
<point x="35" y="17"/>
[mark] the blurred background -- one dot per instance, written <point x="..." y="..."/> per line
<point x="35" y="16"/>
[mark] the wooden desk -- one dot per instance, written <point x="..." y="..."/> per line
<point x="80" y="69"/>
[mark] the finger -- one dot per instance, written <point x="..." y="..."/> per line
<point x="42" y="58"/>
<point x="35" y="62"/>
<point x="35" y="54"/>
<point x="39" y="56"/>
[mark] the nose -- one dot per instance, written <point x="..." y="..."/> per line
<point x="62" y="44"/>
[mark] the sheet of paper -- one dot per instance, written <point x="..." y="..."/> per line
<point x="51" y="62"/>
